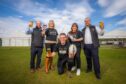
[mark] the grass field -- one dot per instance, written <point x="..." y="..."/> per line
<point x="14" y="68"/>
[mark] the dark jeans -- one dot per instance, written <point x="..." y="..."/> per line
<point x="91" y="54"/>
<point x="77" y="61"/>
<point x="35" y="51"/>
<point x="64" y="63"/>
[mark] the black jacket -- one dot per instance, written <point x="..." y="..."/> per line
<point x="37" y="38"/>
<point x="94" y="35"/>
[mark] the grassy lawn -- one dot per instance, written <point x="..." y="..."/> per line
<point x="14" y="68"/>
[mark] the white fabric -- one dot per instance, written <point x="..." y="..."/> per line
<point x="88" y="38"/>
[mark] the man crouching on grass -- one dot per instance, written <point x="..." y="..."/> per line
<point x="64" y="61"/>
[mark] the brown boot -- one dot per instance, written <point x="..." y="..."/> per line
<point x="51" y="66"/>
<point x="47" y="65"/>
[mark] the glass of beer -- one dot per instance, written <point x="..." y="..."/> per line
<point x="101" y="24"/>
<point x="30" y="24"/>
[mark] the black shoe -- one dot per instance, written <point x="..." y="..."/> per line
<point x="98" y="76"/>
<point x="88" y="70"/>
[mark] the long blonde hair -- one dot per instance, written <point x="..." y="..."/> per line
<point x="52" y="22"/>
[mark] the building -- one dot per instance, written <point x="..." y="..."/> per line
<point x="115" y="37"/>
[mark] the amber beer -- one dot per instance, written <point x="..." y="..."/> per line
<point x="30" y="24"/>
<point x="101" y="24"/>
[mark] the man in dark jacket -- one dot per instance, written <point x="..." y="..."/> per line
<point x="36" y="45"/>
<point x="91" y="45"/>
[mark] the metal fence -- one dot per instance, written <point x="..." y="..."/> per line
<point x="15" y="41"/>
<point x="26" y="41"/>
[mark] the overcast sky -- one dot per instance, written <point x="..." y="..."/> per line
<point x="15" y="14"/>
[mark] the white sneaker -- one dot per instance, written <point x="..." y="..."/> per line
<point x="78" y="72"/>
<point x="73" y="68"/>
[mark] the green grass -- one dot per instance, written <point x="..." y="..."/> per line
<point x="14" y="68"/>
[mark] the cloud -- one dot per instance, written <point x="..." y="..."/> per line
<point x="12" y="27"/>
<point x="64" y="17"/>
<point x="73" y="12"/>
<point x="122" y="22"/>
<point x="103" y="3"/>
<point x="113" y="7"/>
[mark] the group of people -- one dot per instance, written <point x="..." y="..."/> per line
<point x="87" y="39"/>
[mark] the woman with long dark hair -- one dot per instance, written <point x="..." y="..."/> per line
<point x="75" y="37"/>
